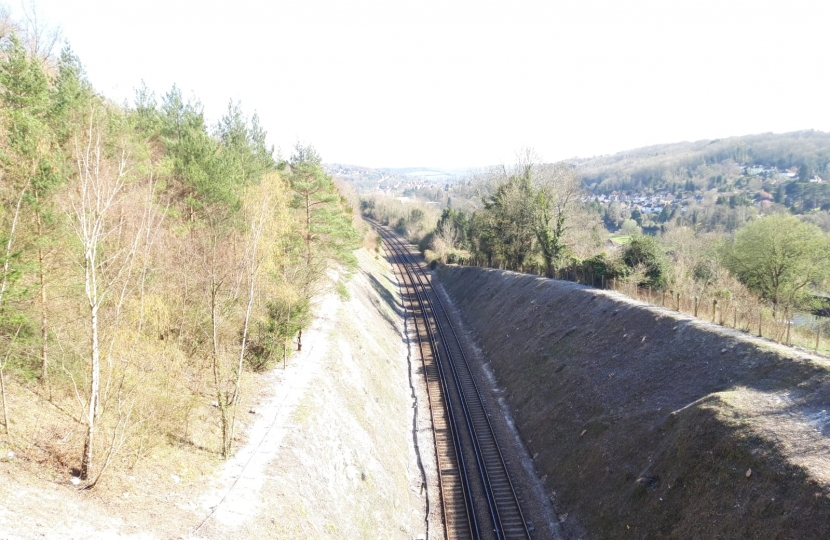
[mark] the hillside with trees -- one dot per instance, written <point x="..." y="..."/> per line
<point x="717" y="185"/>
<point x="149" y="263"/>
<point x="671" y="167"/>
<point x="725" y="253"/>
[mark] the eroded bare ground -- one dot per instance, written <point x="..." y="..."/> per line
<point x="329" y="454"/>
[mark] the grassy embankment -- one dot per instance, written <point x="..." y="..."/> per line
<point x="652" y="424"/>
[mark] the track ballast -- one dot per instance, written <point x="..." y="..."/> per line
<point x="479" y="500"/>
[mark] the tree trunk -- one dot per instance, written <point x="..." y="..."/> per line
<point x="760" y="322"/>
<point x="7" y="259"/>
<point x="221" y="400"/>
<point x="6" y="263"/>
<point x="44" y="328"/>
<point x="249" y="308"/>
<point x="92" y="410"/>
<point x="308" y="229"/>
<point x="5" y="410"/>
<point x="3" y="365"/>
<point x="549" y="266"/>
<point x="44" y="332"/>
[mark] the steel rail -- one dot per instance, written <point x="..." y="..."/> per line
<point x="454" y="523"/>
<point x="511" y="523"/>
<point x="461" y="465"/>
<point x="508" y="520"/>
<point x="459" y="395"/>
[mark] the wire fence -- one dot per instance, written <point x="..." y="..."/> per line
<point x="747" y="314"/>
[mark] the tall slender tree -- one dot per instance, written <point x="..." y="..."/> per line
<point x="100" y="183"/>
<point x="27" y="156"/>
<point x="557" y="195"/>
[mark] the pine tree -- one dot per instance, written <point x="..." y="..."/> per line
<point x="27" y="158"/>
<point x="327" y="231"/>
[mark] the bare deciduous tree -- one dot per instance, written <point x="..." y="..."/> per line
<point x="100" y="184"/>
<point x="445" y="240"/>
<point x="557" y="196"/>
<point x="39" y="37"/>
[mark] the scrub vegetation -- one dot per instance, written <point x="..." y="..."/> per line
<point x="149" y="263"/>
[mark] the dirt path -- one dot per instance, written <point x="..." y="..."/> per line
<point x="235" y="498"/>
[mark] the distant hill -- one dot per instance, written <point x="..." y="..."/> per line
<point x="398" y="179"/>
<point x="698" y="164"/>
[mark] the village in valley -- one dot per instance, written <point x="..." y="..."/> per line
<point x="722" y="197"/>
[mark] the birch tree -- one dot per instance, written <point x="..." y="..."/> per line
<point x="254" y="258"/>
<point x="100" y="183"/>
<point x="231" y="263"/>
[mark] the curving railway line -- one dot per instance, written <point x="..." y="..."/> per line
<point x="478" y="498"/>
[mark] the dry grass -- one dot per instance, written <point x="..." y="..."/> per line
<point x="48" y="434"/>
<point x="732" y="306"/>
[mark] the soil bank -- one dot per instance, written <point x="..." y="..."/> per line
<point x="647" y="423"/>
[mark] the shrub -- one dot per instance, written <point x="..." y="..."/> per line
<point x="602" y="267"/>
<point x="644" y="253"/>
<point x="426" y="242"/>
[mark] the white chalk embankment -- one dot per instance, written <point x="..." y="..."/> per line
<point x="331" y="455"/>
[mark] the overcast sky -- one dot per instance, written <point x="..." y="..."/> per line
<point x="456" y="84"/>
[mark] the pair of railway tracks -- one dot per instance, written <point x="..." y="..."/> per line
<point x="479" y="500"/>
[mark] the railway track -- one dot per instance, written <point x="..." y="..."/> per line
<point x="479" y="500"/>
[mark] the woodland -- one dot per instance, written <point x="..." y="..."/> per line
<point x="149" y="261"/>
<point x="771" y="263"/>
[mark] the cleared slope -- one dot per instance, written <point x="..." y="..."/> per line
<point x="650" y="424"/>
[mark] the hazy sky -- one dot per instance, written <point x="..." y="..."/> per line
<point x="454" y="84"/>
